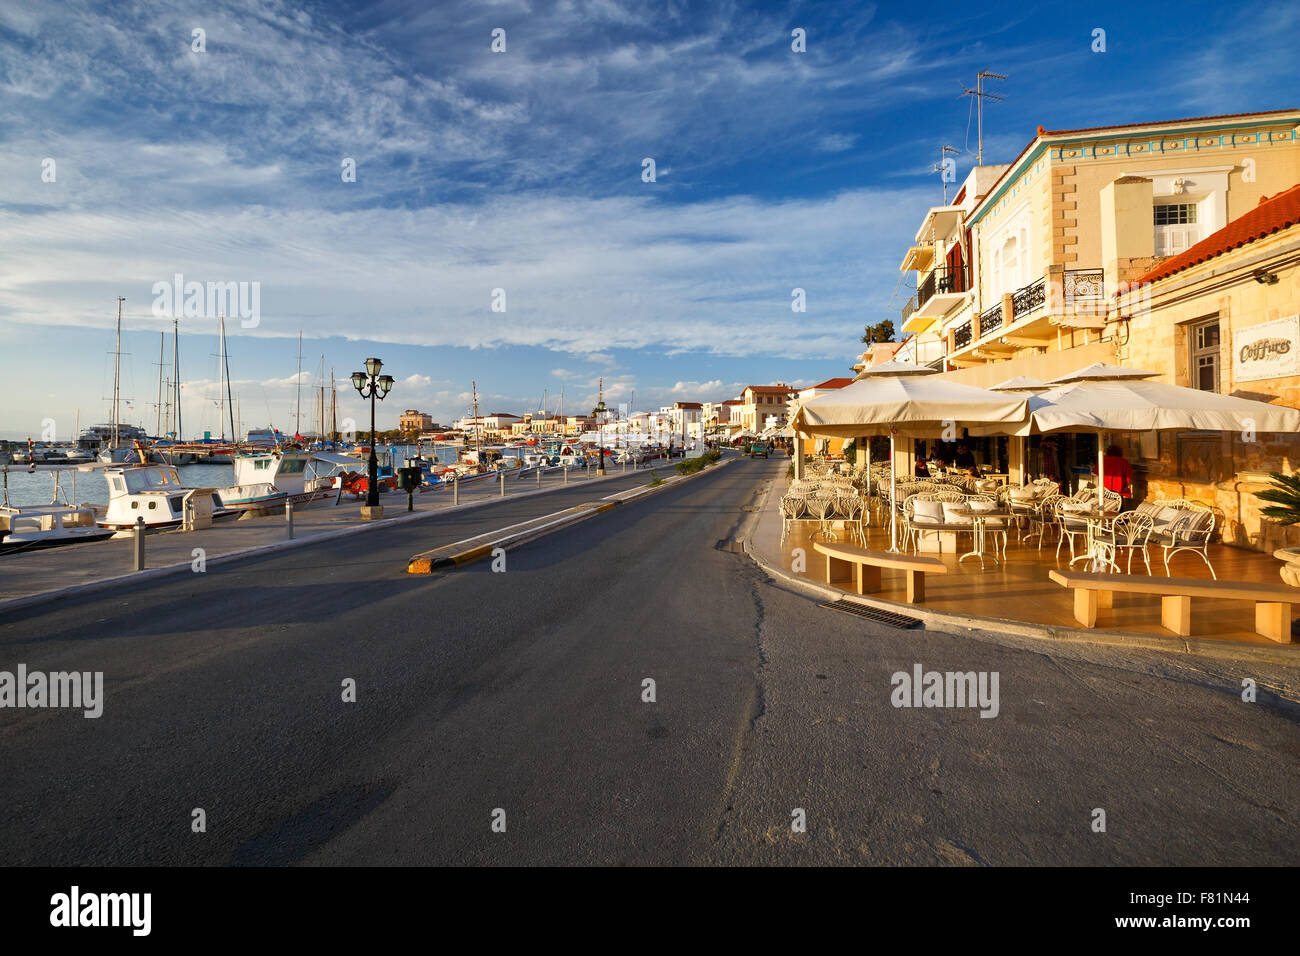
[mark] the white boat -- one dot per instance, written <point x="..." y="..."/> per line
<point x="267" y="479"/>
<point x="29" y="528"/>
<point x="155" y="493"/>
<point x="26" y="527"/>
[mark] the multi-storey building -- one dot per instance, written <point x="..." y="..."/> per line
<point x="759" y="401"/>
<point x="414" y="421"/>
<point x="1151" y="245"/>
<point x="1020" y="264"/>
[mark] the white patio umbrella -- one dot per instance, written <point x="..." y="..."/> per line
<point x="1131" y="403"/>
<point x="885" y="401"/>
<point x="1020" y="383"/>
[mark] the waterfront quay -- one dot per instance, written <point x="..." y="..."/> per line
<point x="26" y="575"/>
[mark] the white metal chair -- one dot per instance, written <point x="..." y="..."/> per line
<point x="1127" y="532"/>
<point x="1181" y="524"/>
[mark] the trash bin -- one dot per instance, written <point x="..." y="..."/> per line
<point x="408" y="479"/>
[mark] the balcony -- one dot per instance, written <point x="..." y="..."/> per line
<point x="1083" y="294"/>
<point x="907" y="311"/>
<point x="961" y="335"/>
<point x="934" y="299"/>
<point x="991" y="320"/>
<point x="1028" y="299"/>
<point x="938" y="282"/>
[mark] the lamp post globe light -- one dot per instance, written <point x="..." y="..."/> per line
<point x="370" y="384"/>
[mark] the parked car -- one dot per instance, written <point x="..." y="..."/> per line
<point x="759" y="448"/>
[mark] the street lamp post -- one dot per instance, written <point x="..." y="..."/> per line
<point x="599" y="412"/>
<point x="370" y="384"/>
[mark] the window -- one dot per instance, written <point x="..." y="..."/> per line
<point x="1203" y="366"/>
<point x="1177" y="227"/>
<point x="1173" y="214"/>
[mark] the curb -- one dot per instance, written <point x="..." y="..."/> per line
<point x="150" y="574"/>
<point x="993" y="628"/>
<point x="427" y="562"/>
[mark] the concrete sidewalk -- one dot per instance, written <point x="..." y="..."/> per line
<point x="763" y="545"/>
<point x="38" y="576"/>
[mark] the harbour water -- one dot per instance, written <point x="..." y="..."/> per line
<point x="34" y="488"/>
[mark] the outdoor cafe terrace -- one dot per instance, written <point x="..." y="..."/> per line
<point x="1016" y="549"/>
<point x="1015" y="585"/>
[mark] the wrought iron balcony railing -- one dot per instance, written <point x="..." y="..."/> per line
<point x="961" y="335"/>
<point x="1028" y="299"/>
<point x="991" y="320"/>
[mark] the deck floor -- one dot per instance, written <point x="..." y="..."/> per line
<point x="1020" y="590"/>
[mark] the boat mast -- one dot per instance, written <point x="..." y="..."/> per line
<point x="221" y="361"/>
<point x="230" y="405"/>
<point x="334" y="410"/>
<point x="162" y="345"/>
<point x="297" y="415"/>
<point x="117" y="368"/>
<point x="176" y="372"/>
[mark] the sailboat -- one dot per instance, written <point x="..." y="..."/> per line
<point x="115" y="442"/>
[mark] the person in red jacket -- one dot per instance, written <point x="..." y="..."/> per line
<point x="1119" y="473"/>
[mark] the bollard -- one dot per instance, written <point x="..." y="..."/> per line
<point x="288" y="518"/>
<point x="503" y="482"/>
<point x="410" y="499"/>
<point x="564" y="468"/>
<point x="139" y="543"/>
<point x="625" y="466"/>
<point x="539" y="476"/>
<point x="455" y="488"/>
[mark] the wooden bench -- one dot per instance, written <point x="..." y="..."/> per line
<point x="1272" y="601"/>
<point x="846" y="562"/>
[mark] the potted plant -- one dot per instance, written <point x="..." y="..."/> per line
<point x="1284" y="508"/>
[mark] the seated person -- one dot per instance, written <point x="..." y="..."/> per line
<point x="964" y="459"/>
<point x="922" y="470"/>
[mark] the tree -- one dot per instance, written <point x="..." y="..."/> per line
<point x="880" y="332"/>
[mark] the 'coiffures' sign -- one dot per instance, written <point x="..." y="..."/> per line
<point x="1267" y="350"/>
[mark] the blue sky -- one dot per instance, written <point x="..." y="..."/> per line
<point x="522" y="171"/>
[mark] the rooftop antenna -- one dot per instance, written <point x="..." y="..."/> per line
<point x="941" y="167"/>
<point x="980" y="96"/>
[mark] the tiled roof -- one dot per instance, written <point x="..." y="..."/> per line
<point x="1172" y="122"/>
<point x="1270" y="216"/>
<point x="769" y="388"/>
<point x="834" y="383"/>
<point x="1042" y="131"/>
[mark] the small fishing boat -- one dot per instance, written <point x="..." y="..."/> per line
<point x="155" y="493"/>
<point x="27" y="527"/>
<point x="266" y="480"/>
<point x="32" y="528"/>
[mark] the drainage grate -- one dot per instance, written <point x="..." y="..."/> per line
<point x="730" y="545"/>
<point x="873" y="614"/>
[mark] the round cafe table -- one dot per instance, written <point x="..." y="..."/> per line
<point x="978" y="519"/>
<point x="1094" y="551"/>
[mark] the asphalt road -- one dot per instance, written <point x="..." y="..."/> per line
<point x="522" y="691"/>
